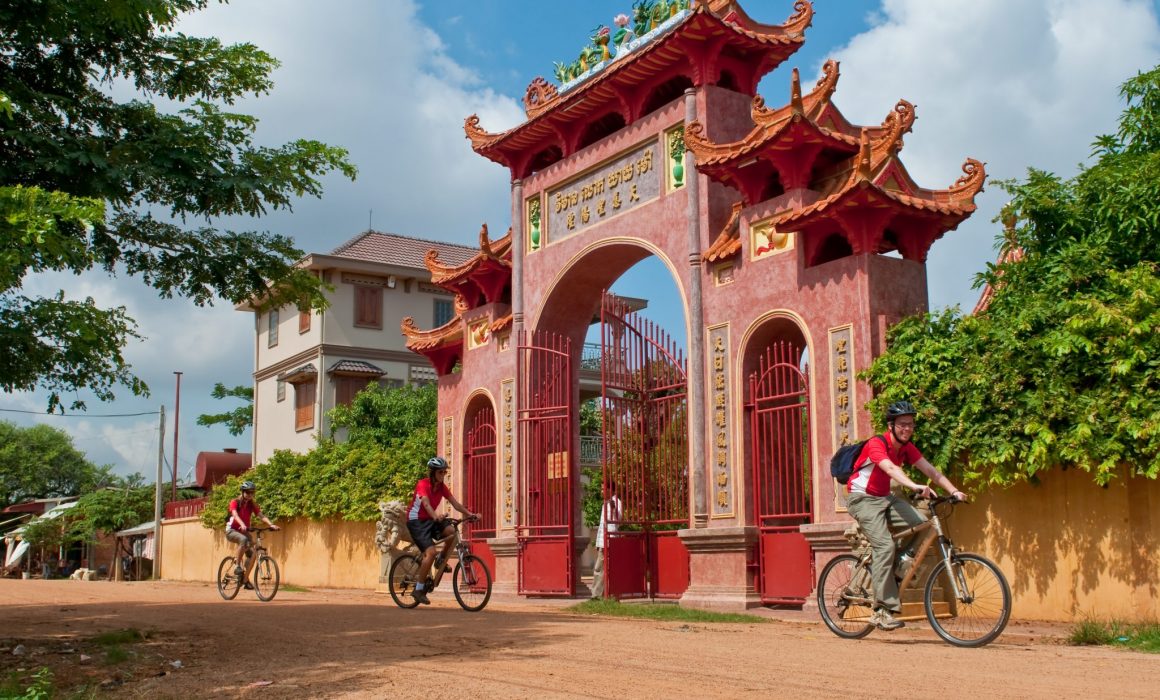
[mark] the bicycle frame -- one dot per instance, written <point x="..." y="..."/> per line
<point x="931" y="531"/>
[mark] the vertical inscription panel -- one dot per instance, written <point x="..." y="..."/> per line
<point x="721" y="422"/>
<point x="841" y="397"/>
<point x="507" y="459"/>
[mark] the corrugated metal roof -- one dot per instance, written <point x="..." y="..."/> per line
<point x="404" y="251"/>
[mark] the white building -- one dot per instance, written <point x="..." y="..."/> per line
<point x="308" y="362"/>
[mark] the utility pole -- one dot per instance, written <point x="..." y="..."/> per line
<point x="157" y="497"/>
<point x="176" y="425"/>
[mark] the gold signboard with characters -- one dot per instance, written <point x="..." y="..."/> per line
<point x="765" y="240"/>
<point x="618" y="186"/>
<point x="507" y="430"/>
<point x="722" y="422"/>
<point x="843" y="428"/>
<point x="448" y="435"/>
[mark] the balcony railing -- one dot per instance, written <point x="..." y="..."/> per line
<point x="590" y="357"/>
<point x="591" y="450"/>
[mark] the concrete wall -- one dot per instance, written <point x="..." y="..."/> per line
<point x="334" y="554"/>
<point x="1071" y="549"/>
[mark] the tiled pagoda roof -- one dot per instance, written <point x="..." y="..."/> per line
<point x="482" y="277"/>
<point x="691" y="46"/>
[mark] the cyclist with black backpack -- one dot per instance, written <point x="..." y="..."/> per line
<point x="425" y="525"/>
<point x="870" y="502"/>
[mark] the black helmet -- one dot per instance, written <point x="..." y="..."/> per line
<point x="900" y="408"/>
<point x="247" y="486"/>
<point x="437" y="464"/>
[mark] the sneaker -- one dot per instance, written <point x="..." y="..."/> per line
<point x="420" y="596"/>
<point x="248" y="586"/>
<point x="884" y="620"/>
<point x="239" y="571"/>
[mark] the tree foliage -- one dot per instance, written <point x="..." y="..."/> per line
<point x="1063" y="367"/>
<point x="390" y="435"/>
<point x="127" y="503"/>
<point x="41" y="462"/>
<point x="237" y="420"/>
<point x="84" y="178"/>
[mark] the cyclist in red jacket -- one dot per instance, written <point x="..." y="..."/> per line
<point x="424" y="522"/>
<point x="870" y="502"/>
<point x="238" y="525"/>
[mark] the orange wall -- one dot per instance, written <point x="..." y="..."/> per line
<point x="334" y="554"/>
<point x="1069" y="548"/>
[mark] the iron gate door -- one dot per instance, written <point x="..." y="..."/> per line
<point x="547" y="506"/>
<point x="779" y="447"/>
<point x="480" y="490"/>
<point x="645" y="455"/>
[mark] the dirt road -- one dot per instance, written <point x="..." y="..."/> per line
<point x="357" y="644"/>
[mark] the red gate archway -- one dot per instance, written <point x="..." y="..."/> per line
<point x="646" y="451"/>
<point x="778" y="407"/>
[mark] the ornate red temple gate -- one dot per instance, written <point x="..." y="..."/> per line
<point x="545" y="532"/>
<point x="646" y="455"/>
<point x="779" y="412"/>
<point x="479" y="490"/>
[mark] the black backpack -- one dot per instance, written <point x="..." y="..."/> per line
<point x="842" y="463"/>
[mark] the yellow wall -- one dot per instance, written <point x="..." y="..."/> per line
<point x="334" y="554"/>
<point x="1071" y="549"/>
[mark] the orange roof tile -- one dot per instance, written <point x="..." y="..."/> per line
<point x="728" y="242"/>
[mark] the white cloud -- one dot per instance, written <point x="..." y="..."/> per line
<point x="1014" y="84"/>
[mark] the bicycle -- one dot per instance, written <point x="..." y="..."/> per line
<point x="966" y="597"/>
<point x="471" y="581"/>
<point x="265" y="575"/>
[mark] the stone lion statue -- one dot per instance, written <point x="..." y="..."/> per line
<point x="392" y="528"/>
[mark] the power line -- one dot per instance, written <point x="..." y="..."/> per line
<point x="81" y="415"/>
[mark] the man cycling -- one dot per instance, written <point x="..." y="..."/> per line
<point x="238" y="527"/>
<point x="877" y="510"/>
<point x="424" y="522"/>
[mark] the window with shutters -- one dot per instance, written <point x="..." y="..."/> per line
<point x="444" y="311"/>
<point x="368" y="306"/>
<point x="304" y="393"/>
<point x="272" y="329"/>
<point x="345" y="389"/>
<point x="304" y="321"/>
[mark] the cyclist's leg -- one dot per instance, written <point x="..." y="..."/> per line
<point x="902" y="516"/>
<point x="449" y="538"/>
<point x="873" y="515"/>
<point x="421" y="534"/>
<point x="242" y="540"/>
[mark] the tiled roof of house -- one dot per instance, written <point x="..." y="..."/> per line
<point x="302" y="372"/>
<point x="404" y="251"/>
<point x="356" y="367"/>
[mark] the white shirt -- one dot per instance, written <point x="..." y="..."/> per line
<point x="610" y="511"/>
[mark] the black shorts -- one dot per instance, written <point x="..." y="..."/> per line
<point x="425" y="532"/>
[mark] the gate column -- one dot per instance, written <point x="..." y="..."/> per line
<point x="720" y="576"/>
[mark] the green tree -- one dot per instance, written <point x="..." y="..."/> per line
<point x="237" y="420"/>
<point x="1063" y="367"/>
<point x="41" y="462"/>
<point x="390" y="435"/>
<point x="84" y="178"/>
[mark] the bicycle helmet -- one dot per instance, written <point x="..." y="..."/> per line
<point x="898" y="409"/>
<point x="436" y="464"/>
<point x="247" y="486"/>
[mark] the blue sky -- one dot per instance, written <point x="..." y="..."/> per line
<point x="1014" y="84"/>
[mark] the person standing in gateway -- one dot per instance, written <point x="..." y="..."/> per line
<point x="610" y="514"/>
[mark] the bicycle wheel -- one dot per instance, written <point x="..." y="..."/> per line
<point x="228" y="582"/>
<point x="403" y="575"/>
<point x="978" y="614"/>
<point x="842" y="579"/>
<point x="472" y="583"/>
<point x="265" y="578"/>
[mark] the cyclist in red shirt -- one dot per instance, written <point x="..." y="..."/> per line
<point x="424" y="522"/>
<point x="870" y="502"/>
<point x="238" y="525"/>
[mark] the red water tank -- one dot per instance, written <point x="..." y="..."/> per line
<point x="212" y="468"/>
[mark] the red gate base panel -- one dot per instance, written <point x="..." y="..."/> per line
<point x="786" y="568"/>
<point x="546" y="567"/>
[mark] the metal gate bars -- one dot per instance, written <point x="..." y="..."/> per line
<point x="779" y="446"/>
<point x="480" y="490"/>
<point x="545" y="531"/>
<point x="644" y="412"/>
